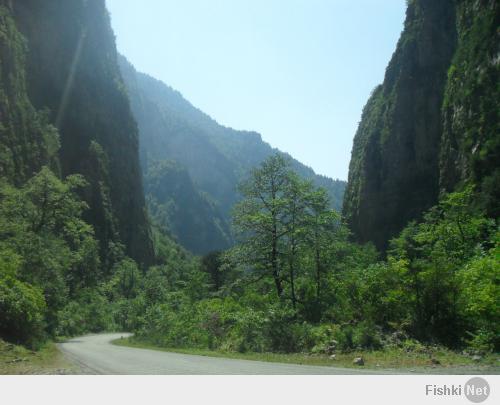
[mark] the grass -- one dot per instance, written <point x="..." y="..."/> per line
<point x="19" y="360"/>
<point x="383" y="359"/>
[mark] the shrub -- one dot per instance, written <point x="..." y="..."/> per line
<point x="345" y="338"/>
<point x="365" y="335"/>
<point x="90" y="312"/>
<point x="22" y="310"/>
<point x="247" y="333"/>
<point x="285" y="333"/>
<point x="128" y="315"/>
<point x="479" y="300"/>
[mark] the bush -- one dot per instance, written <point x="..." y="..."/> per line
<point x="90" y="312"/>
<point x="22" y="311"/>
<point x="483" y="341"/>
<point x="345" y="338"/>
<point x="246" y="335"/>
<point x="479" y="300"/>
<point x="284" y="333"/>
<point x="128" y="315"/>
<point x="365" y="335"/>
<point x="413" y="346"/>
<point x="181" y="327"/>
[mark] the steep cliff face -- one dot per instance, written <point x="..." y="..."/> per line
<point x="27" y="140"/>
<point x="72" y="71"/>
<point x="394" y="165"/>
<point x="432" y="126"/>
<point x="470" y="149"/>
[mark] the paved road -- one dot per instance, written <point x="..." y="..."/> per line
<point x="96" y="355"/>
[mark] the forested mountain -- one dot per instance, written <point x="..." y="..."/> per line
<point x="74" y="233"/>
<point x="78" y="253"/>
<point x="66" y="64"/>
<point x="432" y="126"/>
<point x="27" y="140"/>
<point x="216" y="159"/>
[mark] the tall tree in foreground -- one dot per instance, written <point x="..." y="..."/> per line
<point x="286" y="229"/>
<point x="259" y="219"/>
<point x="323" y="225"/>
<point x="297" y="194"/>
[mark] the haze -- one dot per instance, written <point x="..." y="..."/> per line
<point x="299" y="72"/>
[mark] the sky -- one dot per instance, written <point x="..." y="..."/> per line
<point x="297" y="71"/>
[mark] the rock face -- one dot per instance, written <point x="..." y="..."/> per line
<point x="72" y="72"/>
<point x="432" y="124"/>
<point x="27" y="140"/>
<point x="470" y="145"/>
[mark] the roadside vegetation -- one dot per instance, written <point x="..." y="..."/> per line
<point x="426" y="360"/>
<point x="17" y="360"/>
<point x="294" y="284"/>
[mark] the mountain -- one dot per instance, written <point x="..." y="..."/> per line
<point x="27" y="140"/>
<point x="432" y="125"/>
<point x="177" y="205"/>
<point x="61" y="73"/>
<point x="216" y="159"/>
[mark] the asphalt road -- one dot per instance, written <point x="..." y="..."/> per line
<point x="94" y="354"/>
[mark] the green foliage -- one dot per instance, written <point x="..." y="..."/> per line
<point x="479" y="301"/>
<point x="442" y="259"/>
<point x="290" y="270"/>
<point x="49" y="255"/>
<point x="126" y="280"/>
<point x="90" y="311"/>
<point x="295" y="282"/>
<point x="22" y="306"/>
<point x="439" y="284"/>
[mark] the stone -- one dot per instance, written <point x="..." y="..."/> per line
<point x="358" y="361"/>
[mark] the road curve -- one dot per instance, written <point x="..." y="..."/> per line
<point x="96" y="355"/>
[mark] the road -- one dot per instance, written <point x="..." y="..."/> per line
<point x="95" y="354"/>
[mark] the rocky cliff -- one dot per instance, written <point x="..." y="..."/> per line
<point x="432" y="125"/>
<point x="65" y="63"/>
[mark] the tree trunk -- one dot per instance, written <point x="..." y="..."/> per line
<point x="292" y="279"/>
<point x="274" y="263"/>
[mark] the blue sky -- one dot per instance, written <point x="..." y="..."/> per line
<point x="297" y="71"/>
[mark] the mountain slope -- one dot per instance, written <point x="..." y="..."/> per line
<point x="176" y="205"/>
<point x="27" y="140"/>
<point x="470" y="147"/>
<point x="215" y="157"/>
<point x="405" y="143"/>
<point x="72" y="72"/>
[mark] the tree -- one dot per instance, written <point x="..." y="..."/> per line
<point x="260" y="219"/>
<point x="295" y="221"/>
<point x="435" y="250"/>
<point x="42" y="224"/>
<point x="323" y="223"/>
